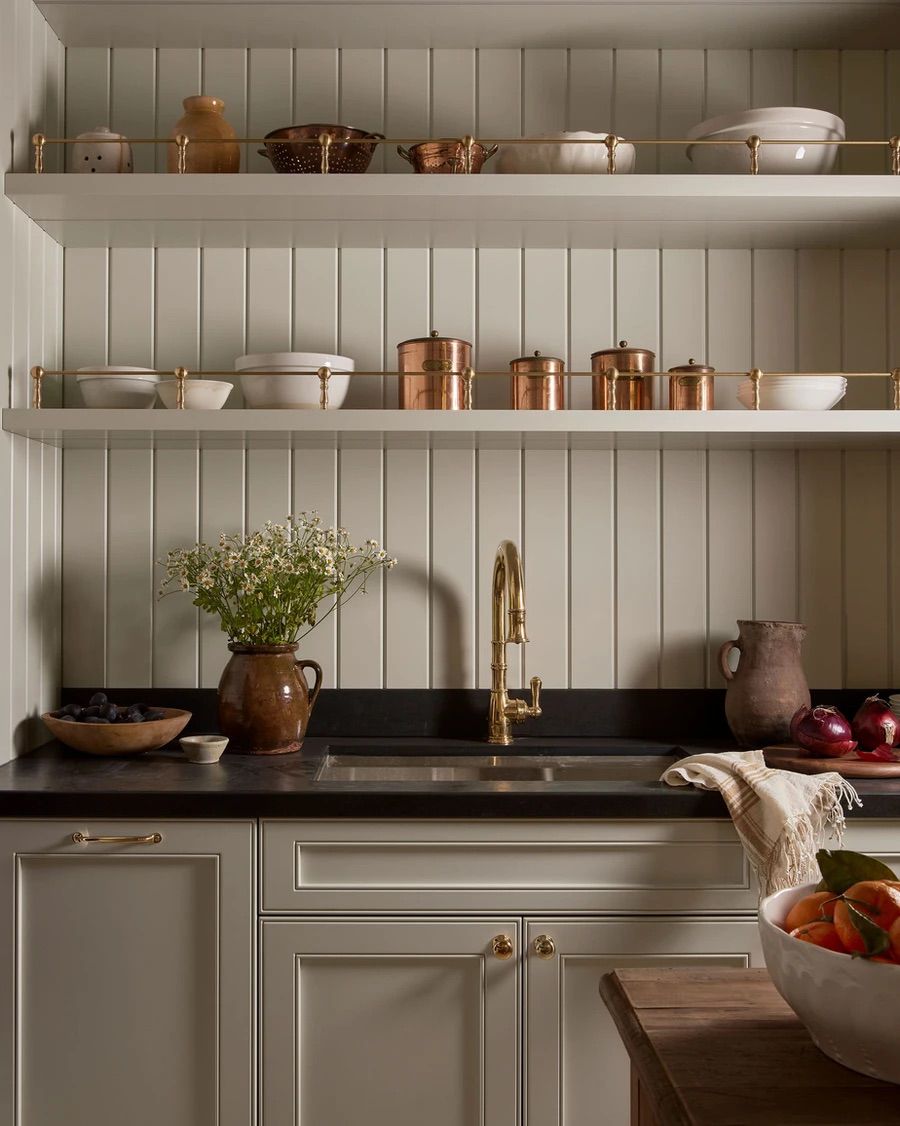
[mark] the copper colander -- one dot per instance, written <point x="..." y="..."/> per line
<point x="342" y="157"/>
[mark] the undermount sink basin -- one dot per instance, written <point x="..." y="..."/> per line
<point x="502" y="767"/>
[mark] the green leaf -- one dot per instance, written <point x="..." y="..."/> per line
<point x="842" y="868"/>
<point x="875" y="938"/>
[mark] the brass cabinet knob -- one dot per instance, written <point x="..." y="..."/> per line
<point x="544" y="946"/>
<point x="502" y="946"/>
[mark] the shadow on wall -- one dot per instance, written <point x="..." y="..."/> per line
<point x="451" y="665"/>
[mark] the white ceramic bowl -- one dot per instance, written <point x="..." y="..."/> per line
<point x="203" y="749"/>
<point x="794" y="393"/>
<point x="849" y="1005"/>
<point x="199" y="394"/>
<point x="114" y="387"/>
<point x="566" y="159"/>
<point x="773" y="123"/>
<point x="291" y="381"/>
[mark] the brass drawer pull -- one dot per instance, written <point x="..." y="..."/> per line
<point x="151" y="838"/>
<point x="544" y="947"/>
<point x="502" y="947"/>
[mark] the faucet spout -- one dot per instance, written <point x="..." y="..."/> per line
<point x="508" y="627"/>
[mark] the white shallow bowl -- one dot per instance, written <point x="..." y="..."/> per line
<point x="849" y="1005"/>
<point x="773" y="123"/>
<point x="777" y="393"/>
<point x="566" y="159"/>
<point x="291" y="381"/>
<point x="115" y="387"/>
<point x="203" y="749"/>
<point x="199" y="394"/>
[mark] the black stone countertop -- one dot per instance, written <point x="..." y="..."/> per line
<point x="56" y="782"/>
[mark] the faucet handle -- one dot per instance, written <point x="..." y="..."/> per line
<point x="536" y="685"/>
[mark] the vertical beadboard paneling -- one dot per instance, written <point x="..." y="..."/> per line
<point x="315" y="490"/>
<point x="499" y="491"/>
<point x="772" y="77"/>
<point x="866" y="562"/>
<point x="453" y="577"/>
<point x="774" y="310"/>
<point x="865" y="326"/>
<point x="407" y="519"/>
<point x="545" y="308"/>
<point x="592" y="569"/>
<point x="452" y="92"/>
<point x="591" y="315"/>
<point x="681" y="87"/>
<point x="175" y="619"/>
<point x="362" y="321"/>
<point x="269" y="487"/>
<point x="131" y="300"/>
<point x="819" y="310"/>
<point x="316" y="299"/>
<point x="177" y="78"/>
<point x="361" y="621"/>
<point x="129" y="579"/>
<point x="269" y="300"/>
<point x="452" y="293"/>
<point x="775" y="535"/>
<point x="821" y="568"/>
<point x="221" y="497"/>
<point x="637" y="298"/>
<point x="544" y="72"/>
<point x="315" y="84"/>
<point x="682" y="661"/>
<point x="499" y="321"/>
<point x="863" y="109"/>
<point x="590" y="89"/>
<point x="636" y="102"/>
<point x="727" y="82"/>
<point x="225" y="76"/>
<point x="499" y="108"/>
<point x="362" y="94"/>
<point x="637" y="569"/>
<point x="683" y="311"/>
<point x="270" y="97"/>
<point x="406" y="105"/>
<point x="407" y="305"/>
<point x="133" y="100"/>
<point x="223" y="273"/>
<point x="818" y="79"/>
<point x="87" y="90"/>
<point x="545" y="552"/>
<point x="730" y="537"/>
<point x="729" y="319"/>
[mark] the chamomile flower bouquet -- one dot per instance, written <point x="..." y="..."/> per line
<point x="268" y="588"/>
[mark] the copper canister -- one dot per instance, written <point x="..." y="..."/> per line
<point x="691" y="387"/>
<point x="536" y="383"/>
<point x="432" y="373"/>
<point x="624" y="379"/>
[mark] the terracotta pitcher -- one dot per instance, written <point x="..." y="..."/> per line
<point x="264" y="699"/>
<point x="203" y="121"/>
<point x="769" y="684"/>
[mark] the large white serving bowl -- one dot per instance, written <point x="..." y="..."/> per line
<point x="199" y="394"/>
<point x="566" y="159"/>
<point x="773" y="123"/>
<point x="114" y="387"/>
<point x="849" y="1005"/>
<point x="794" y="393"/>
<point x="291" y="381"/>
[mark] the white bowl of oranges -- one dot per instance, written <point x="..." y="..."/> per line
<point x="833" y="953"/>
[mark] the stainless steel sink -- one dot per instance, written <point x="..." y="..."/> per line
<point x="410" y="769"/>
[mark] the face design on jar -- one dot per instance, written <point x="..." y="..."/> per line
<point x="95" y="155"/>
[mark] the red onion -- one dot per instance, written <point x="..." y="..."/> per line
<point x="875" y="724"/>
<point x="884" y="753"/>
<point x="824" y="732"/>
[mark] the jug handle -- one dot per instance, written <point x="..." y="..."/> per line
<point x="724" y="654"/>
<point x="405" y="153"/>
<point x="314" y="691"/>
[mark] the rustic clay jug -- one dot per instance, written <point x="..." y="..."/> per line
<point x="202" y="121"/>
<point x="769" y="684"/>
<point x="264" y="699"/>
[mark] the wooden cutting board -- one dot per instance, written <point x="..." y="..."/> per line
<point x="785" y="756"/>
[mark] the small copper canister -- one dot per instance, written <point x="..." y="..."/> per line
<point x="435" y="373"/>
<point x="624" y="379"/>
<point x="691" y="387"/>
<point x="536" y="383"/>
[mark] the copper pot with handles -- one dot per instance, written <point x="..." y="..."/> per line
<point x="536" y="383"/>
<point x="448" y="156"/>
<point x="623" y="379"/>
<point x="435" y="373"/>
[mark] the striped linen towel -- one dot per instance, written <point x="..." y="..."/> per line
<point x="782" y="818"/>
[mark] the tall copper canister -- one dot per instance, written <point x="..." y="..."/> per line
<point x="432" y="373"/>
<point x="623" y="378"/>
<point x="691" y="387"/>
<point x="536" y="383"/>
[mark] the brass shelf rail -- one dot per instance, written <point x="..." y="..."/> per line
<point x="753" y="143"/>
<point x="469" y="376"/>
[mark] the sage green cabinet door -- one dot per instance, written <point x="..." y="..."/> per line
<point x="130" y="970"/>
<point x="389" y="1022"/>
<point x="577" y="1070"/>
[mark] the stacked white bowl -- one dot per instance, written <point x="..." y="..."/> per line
<point x="591" y="158"/>
<point x="772" y="123"/>
<point x="116" y="386"/>
<point x="291" y="382"/>
<point x="794" y="392"/>
<point x="199" y="394"/>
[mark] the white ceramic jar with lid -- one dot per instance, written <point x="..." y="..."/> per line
<point x="101" y="150"/>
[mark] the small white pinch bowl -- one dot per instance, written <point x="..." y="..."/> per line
<point x="199" y="394"/>
<point x="584" y="159"/>
<point x="291" y="380"/>
<point x="771" y="123"/>
<point x="113" y="387"/>
<point x="203" y="749"/>
<point x="848" y="1005"/>
<point x="794" y="393"/>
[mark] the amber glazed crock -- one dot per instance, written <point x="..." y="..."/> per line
<point x="264" y="699"/>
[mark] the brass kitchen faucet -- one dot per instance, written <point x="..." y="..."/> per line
<point x="508" y="601"/>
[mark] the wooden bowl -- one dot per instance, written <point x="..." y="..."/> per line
<point x="119" y="738"/>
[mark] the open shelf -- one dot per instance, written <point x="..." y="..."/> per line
<point x="495" y="23"/>
<point x="228" y="429"/>
<point x="396" y="209"/>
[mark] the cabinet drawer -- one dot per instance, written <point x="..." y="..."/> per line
<point x="492" y="865"/>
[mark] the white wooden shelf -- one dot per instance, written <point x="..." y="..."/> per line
<point x="396" y="209"/>
<point x="74" y="428"/>
<point x="477" y="23"/>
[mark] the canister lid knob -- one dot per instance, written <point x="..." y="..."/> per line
<point x="623" y="343"/>
<point x="537" y="352"/>
<point x="434" y="333"/>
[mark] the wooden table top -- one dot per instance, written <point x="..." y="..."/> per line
<point x="719" y="1047"/>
